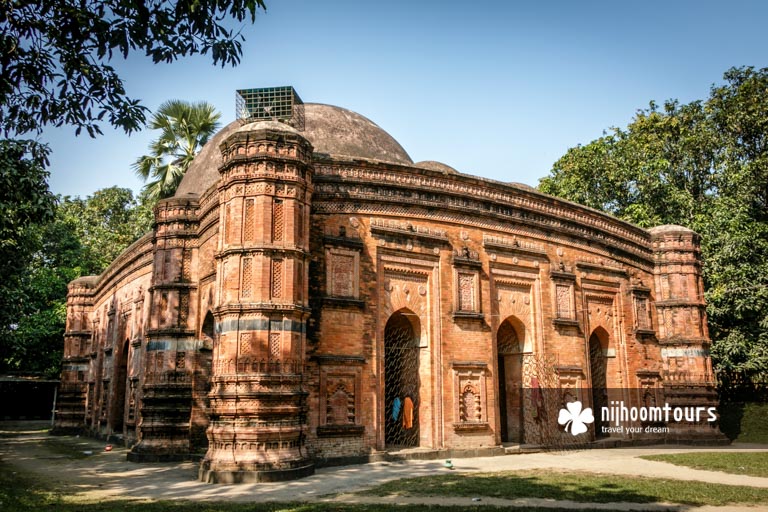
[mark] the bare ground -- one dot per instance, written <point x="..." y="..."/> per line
<point x="82" y="466"/>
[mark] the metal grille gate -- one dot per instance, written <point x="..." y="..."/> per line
<point x="597" y="364"/>
<point x="401" y="383"/>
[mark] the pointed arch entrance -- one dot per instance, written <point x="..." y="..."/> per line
<point x="598" y="346"/>
<point x="206" y="332"/>
<point x="401" y="380"/>
<point x="201" y="379"/>
<point x="119" y="398"/>
<point x="509" y="343"/>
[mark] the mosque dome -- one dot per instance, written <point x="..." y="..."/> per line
<point x="433" y="165"/>
<point x="670" y="228"/>
<point x="333" y="131"/>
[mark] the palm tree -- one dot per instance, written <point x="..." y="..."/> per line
<point x="184" y="128"/>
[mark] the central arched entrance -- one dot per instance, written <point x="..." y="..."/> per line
<point x="598" y="345"/>
<point x="510" y="364"/>
<point x="401" y="380"/>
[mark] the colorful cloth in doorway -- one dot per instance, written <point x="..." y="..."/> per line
<point x="407" y="413"/>
<point x="396" y="406"/>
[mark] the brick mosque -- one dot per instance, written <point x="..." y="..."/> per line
<point x="311" y="294"/>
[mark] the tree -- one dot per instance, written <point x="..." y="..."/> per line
<point x="184" y="129"/>
<point x="703" y="165"/>
<point x="84" y="236"/>
<point x="25" y="203"/>
<point x="573" y="176"/>
<point x="737" y="229"/>
<point x="657" y="171"/>
<point x="55" y="55"/>
<point x="739" y="112"/>
<point x="104" y="224"/>
<point x="33" y="343"/>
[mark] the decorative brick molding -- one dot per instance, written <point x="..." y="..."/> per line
<point x="470" y="396"/>
<point x="342" y="273"/>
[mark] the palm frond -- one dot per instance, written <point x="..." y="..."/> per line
<point x="184" y="128"/>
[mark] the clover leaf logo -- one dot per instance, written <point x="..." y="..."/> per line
<point x="575" y="418"/>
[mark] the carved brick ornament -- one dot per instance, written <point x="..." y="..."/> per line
<point x="467" y="300"/>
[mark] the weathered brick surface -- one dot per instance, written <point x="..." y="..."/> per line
<point x="252" y="321"/>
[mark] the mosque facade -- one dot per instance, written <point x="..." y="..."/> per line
<point x="312" y="294"/>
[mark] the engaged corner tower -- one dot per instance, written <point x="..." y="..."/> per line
<point x="258" y="400"/>
<point x="683" y="334"/>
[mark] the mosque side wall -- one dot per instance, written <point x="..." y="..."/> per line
<point x="461" y="291"/>
<point x="511" y="322"/>
<point x="103" y="353"/>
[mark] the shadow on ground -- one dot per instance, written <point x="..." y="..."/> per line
<point x="63" y="470"/>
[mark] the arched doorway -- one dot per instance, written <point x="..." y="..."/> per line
<point x="598" y="346"/>
<point x="401" y="380"/>
<point x="201" y="386"/>
<point x="206" y="333"/>
<point x="119" y="397"/>
<point x="509" y="343"/>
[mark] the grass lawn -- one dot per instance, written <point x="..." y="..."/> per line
<point x="754" y="464"/>
<point x="582" y="487"/>
<point x="25" y="493"/>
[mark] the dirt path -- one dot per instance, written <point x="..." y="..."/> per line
<point x="83" y="466"/>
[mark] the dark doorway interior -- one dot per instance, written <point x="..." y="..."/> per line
<point x="118" y="396"/>
<point x="597" y="365"/>
<point x="201" y="408"/>
<point x="401" y="382"/>
<point x="510" y="367"/>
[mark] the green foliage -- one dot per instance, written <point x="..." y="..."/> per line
<point x="739" y="111"/>
<point x="573" y="177"/>
<point x="25" y="202"/>
<point x="24" y="198"/>
<point x="35" y="335"/>
<point x="55" y="66"/>
<point x="184" y="129"/>
<point x="735" y="247"/>
<point x="83" y="237"/>
<point x="105" y="224"/>
<point x="703" y="165"/>
<point x="657" y="171"/>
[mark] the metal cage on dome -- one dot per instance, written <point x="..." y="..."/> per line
<point x="270" y="103"/>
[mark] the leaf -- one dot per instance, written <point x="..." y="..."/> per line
<point x="184" y="128"/>
<point x="61" y="74"/>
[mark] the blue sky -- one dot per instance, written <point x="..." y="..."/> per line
<point x="491" y="88"/>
